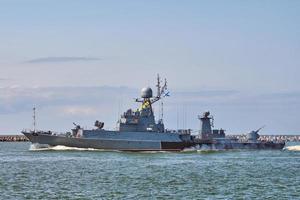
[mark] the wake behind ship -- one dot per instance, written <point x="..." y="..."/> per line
<point x="139" y="131"/>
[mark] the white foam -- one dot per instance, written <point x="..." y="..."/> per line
<point x="37" y="147"/>
<point x="42" y="147"/>
<point x="64" y="148"/>
<point x="202" y="148"/>
<point x="293" y="148"/>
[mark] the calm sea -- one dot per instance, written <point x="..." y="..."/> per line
<point x="62" y="173"/>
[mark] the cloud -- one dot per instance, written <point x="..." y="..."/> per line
<point x="58" y="107"/>
<point x="79" y="110"/>
<point x="209" y="93"/>
<point x="204" y="96"/>
<point x="4" y="79"/>
<point x="16" y="99"/>
<point x="62" y="59"/>
<point x="76" y="100"/>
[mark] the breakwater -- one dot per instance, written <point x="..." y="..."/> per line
<point x="13" y="138"/>
<point x="269" y="138"/>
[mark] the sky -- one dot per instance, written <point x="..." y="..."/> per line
<point x="78" y="61"/>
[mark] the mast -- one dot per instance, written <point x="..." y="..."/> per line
<point x="34" y="120"/>
<point x="158" y="86"/>
<point x="161" y="92"/>
<point x="162" y="111"/>
<point x="147" y="99"/>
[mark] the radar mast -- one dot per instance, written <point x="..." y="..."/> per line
<point x="34" y="119"/>
<point x="147" y="98"/>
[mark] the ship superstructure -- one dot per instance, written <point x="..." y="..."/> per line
<point x="143" y="120"/>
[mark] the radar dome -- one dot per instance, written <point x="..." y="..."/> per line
<point x="252" y="136"/>
<point x="146" y="92"/>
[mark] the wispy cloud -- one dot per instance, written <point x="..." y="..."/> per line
<point x="16" y="99"/>
<point x="62" y="59"/>
<point x="79" y="110"/>
<point x="59" y="106"/>
<point x="4" y="79"/>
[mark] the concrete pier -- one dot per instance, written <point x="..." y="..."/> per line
<point x="269" y="138"/>
<point x="13" y="138"/>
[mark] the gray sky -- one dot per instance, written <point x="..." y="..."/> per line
<point x="237" y="59"/>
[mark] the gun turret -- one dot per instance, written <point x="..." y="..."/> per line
<point x="98" y="124"/>
<point x="76" y="126"/>
<point x="253" y="135"/>
<point x="259" y="129"/>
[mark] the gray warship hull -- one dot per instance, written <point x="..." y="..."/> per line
<point x="115" y="141"/>
<point x="122" y="144"/>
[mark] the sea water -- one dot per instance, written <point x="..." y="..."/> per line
<point x="33" y="172"/>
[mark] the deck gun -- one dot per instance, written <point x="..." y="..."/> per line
<point x="259" y="129"/>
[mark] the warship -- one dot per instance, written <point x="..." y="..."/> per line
<point x="137" y="130"/>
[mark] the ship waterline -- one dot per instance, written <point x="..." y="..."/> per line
<point x="107" y="144"/>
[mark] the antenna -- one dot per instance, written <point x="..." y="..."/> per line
<point x="177" y="117"/>
<point x="158" y="86"/>
<point x="34" y="120"/>
<point x="162" y="91"/>
<point x="162" y="110"/>
<point x="185" y="116"/>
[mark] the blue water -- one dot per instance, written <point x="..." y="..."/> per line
<point x="77" y="174"/>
